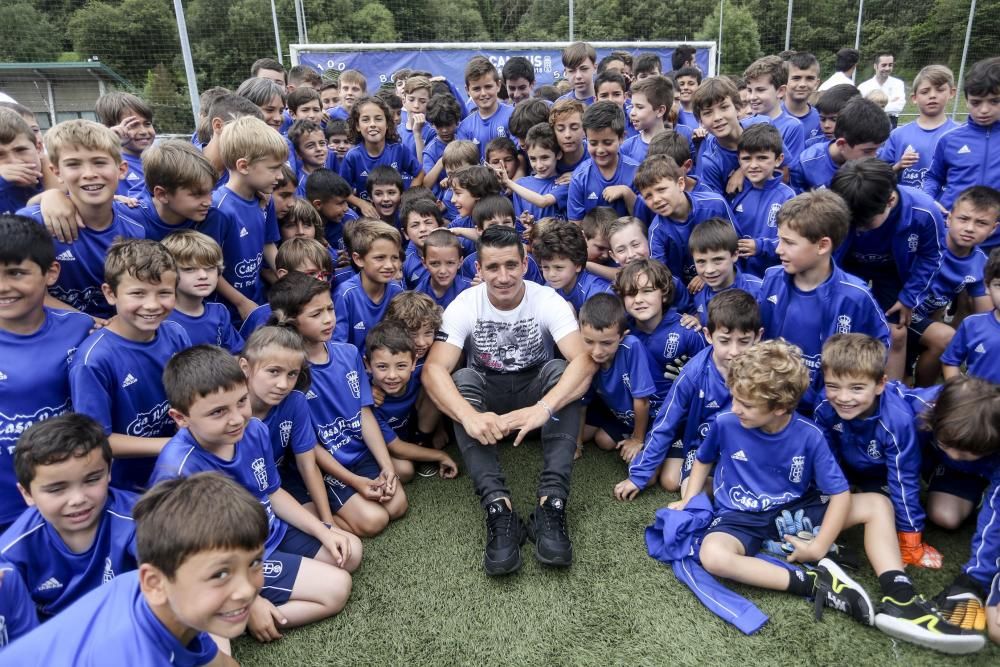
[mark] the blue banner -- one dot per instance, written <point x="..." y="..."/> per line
<point x="378" y="65"/>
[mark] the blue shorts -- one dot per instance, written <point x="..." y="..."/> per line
<point x="281" y="566"/>
<point x="969" y="487"/>
<point x="600" y="416"/>
<point x="337" y="492"/>
<point x="752" y="528"/>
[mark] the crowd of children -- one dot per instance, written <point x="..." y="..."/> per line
<point x="212" y="351"/>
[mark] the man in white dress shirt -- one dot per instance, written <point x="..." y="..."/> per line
<point x="893" y="88"/>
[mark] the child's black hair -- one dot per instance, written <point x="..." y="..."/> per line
<point x="526" y="115"/>
<point x="611" y="76"/>
<point x="518" y="67"/>
<point x="983" y="79"/>
<point x="197" y="372"/>
<point x="323" y="184"/>
<point x="734" y="310"/>
<point x="383" y="175"/>
<point x="761" y="138"/>
<point x="493" y="206"/>
<point x="862" y="121"/>
<point x="866" y="186"/>
<point x="647" y="63"/>
<point x="604" y="311"/>
<point x="712" y="235"/>
<point x="693" y="72"/>
<point x="561" y="239"/>
<point x="389" y="335"/>
<point x="601" y="115"/>
<point x="834" y="99"/>
<point x="55" y="440"/>
<point x="25" y="239"/>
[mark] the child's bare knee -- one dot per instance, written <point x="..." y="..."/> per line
<point x="670" y="479"/>
<point x="398" y="506"/>
<point x="370" y="521"/>
<point x="404" y="469"/>
<point x="713" y="558"/>
<point x="944" y="516"/>
<point x="337" y="590"/>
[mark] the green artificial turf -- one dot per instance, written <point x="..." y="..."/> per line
<point x="421" y="597"/>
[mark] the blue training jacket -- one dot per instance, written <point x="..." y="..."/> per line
<point x="963" y="157"/>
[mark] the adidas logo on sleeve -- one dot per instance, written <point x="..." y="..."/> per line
<point x="129" y="381"/>
<point x="592" y="196"/>
<point x="244" y="232"/>
<point x="66" y="256"/>
<point x="739" y="456"/>
<point x="964" y="150"/>
<point x="51" y="584"/>
<point x="980" y="349"/>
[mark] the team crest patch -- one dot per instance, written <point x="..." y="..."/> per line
<point x="798" y="465"/>
<point x="354" y="384"/>
<point x="673" y="344"/>
<point x="873" y="451"/>
<point x="844" y="324"/>
<point x="912" y="242"/>
<point x="260" y="473"/>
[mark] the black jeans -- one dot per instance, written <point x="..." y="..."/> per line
<point x="502" y="393"/>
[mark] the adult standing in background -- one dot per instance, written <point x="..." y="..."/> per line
<point x="846" y="63"/>
<point x="893" y="88"/>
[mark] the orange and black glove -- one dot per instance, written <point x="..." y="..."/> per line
<point x="917" y="552"/>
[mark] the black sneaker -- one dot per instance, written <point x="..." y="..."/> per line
<point x="834" y="589"/>
<point x="547" y="529"/>
<point x="504" y="536"/>
<point x="427" y="469"/>
<point x="919" y="622"/>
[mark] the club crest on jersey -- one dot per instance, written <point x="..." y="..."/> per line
<point x="672" y="346"/>
<point x="354" y="384"/>
<point x="798" y="466"/>
<point x="912" y="242"/>
<point x="259" y="467"/>
<point x="285" y="431"/>
<point x="109" y="572"/>
<point x="844" y="324"/>
<point x="772" y="215"/>
<point x="873" y="450"/>
<point x="627" y="381"/>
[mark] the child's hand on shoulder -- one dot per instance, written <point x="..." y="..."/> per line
<point x="628" y="448"/>
<point x="131" y="202"/>
<point x="746" y="247"/>
<point x="699" y="133"/>
<point x="368" y="210"/>
<point x="696" y="285"/>
<point x="689" y="321"/>
<point x="564" y="179"/>
<point x="378" y="396"/>
<point x="626" y="490"/>
<point x="735" y="183"/>
<point x="615" y="192"/>
<point x="264" y="620"/>
<point x="60" y="215"/>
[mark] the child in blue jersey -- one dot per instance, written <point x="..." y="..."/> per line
<point x="17" y="612"/>
<point x="829" y="105"/>
<point x="809" y="298"/>
<point x="662" y="185"/>
<point x="200" y="542"/>
<point x="977" y="341"/>
<point x="972" y="219"/>
<point x="803" y="80"/>
<point x="254" y="158"/>
<point x="470" y="185"/>
<point x="115" y="375"/>
<point x="624" y="380"/>
<point x="579" y="61"/>
<point x="307" y="563"/>
<point x="861" y="129"/>
<point x="21" y="175"/>
<point x="769" y="460"/>
<point x="309" y="146"/>
<point x="647" y="289"/>
<point x="353" y="87"/>
<point x="36" y="345"/>
<point x="697" y="395"/>
<point x="611" y="86"/>
<point x="502" y="156"/>
<point x="443" y="115"/>
<point x="964" y="460"/>
<point x="910" y="147"/>
<point x="538" y="196"/>
<point x="362" y="300"/>
<point x="561" y="251"/>
<point x="199" y="263"/>
<point x="329" y="193"/>
<point x="336" y="140"/>
<point x="384" y="186"/>
<point x="595" y="226"/>
<point x="713" y="247"/>
<point x="456" y="156"/>
<point x="482" y="83"/>
<point x="716" y="103"/>
<point x="131" y="119"/>
<point x="273" y="361"/>
<point x="873" y="434"/>
<point x="77" y="534"/>
<point x="652" y="99"/>
<point x="363" y="486"/>
<point x="489" y="212"/>
<point x="419" y="216"/>
<point x="390" y="357"/>
<point x="566" y="119"/>
<point x="756" y="206"/>
<point x="87" y="160"/>
<point x="414" y="131"/>
<point x="964" y="156"/>
<point x="441" y="255"/>
<point x="686" y="81"/>
<point x="606" y="178"/>
<point x="628" y="242"/>
<point x="767" y="80"/>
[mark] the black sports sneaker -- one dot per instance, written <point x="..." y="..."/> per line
<point x="504" y="536"/>
<point x="834" y="589"/>
<point x="919" y="622"/>
<point x="547" y="529"/>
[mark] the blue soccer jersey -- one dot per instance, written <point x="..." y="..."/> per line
<point x="964" y="156"/>
<point x="955" y="275"/>
<point x="290" y="427"/>
<point x="760" y="472"/>
<point x="715" y="165"/>
<point x="755" y="210"/>
<point x="912" y="137"/>
<point x="134" y="183"/>
<point x="458" y="285"/>
<point x="571" y="95"/>
<point x="587" y="285"/>
<point x="666" y="343"/>
<point x="213" y="327"/>
<point x="698" y="394"/>
<point x="130" y="634"/>
<point x="81" y="263"/>
<point x="243" y="250"/>
<point x="413" y="266"/>
<point x="629" y="376"/>
<point x="687" y="118"/>
<point x="668" y="237"/>
<point x="34" y="385"/>
<point x="543" y="186"/>
<point x="55" y="575"/>
<point x="397" y="414"/>
<point x="251" y="466"/>
<point x="357" y="312"/>
<point x="881" y="449"/>
<point x="407" y="137"/>
<point x="434" y="151"/>
<point x="358" y="163"/>
<point x="482" y="131"/>
<point x="17" y="610"/>
<point x="340" y="389"/>
<point x="586" y="187"/>
<point x="977" y="344"/>
<point x="748" y="283"/>
<point x="810" y="122"/>
<point x="815" y="168"/>
<point x="118" y="382"/>
<point x="15" y="197"/>
<point x="793" y="138"/>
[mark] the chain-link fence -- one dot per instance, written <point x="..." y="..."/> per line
<point x="136" y="43"/>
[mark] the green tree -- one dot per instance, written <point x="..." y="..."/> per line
<point x="372" y="23"/>
<point x="171" y="109"/>
<point x="740" y="36"/>
<point x="26" y="35"/>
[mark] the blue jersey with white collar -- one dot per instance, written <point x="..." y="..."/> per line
<point x="251" y="466"/>
<point x="586" y="187"/>
<point x="289" y="426"/>
<point x="668" y="237"/>
<point x="357" y="313"/>
<point x="697" y="395"/>
<point x="130" y="634"/>
<point x="81" y="263"/>
<point x="984" y="556"/>
<point x="543" y="186"/>
<point x="964" y="156"/>
<point x="756" y="215"/>
<point x="358" y="164"/>
<point x="482" y="131"/>
<point x="118" y="382"/>
<point x="34" y="385"/>
<point x="815" y="169"/>
<point x="915" y="138"/>
<point x="882" y="448"/>
<point x="748" y="283"/>
<point x="810" y="122"/>
<point x="977" y="343"/>
<point x="434" y="151"/>
<point x="955" y="275"/>
<point x="134" y="183"/>
<point x="397" y="415"/>
<point x="792" y="135"/>
<point x="413" y="266"/>
<point x="17" y="611"/>
<point x="587" y="284"/>
<point x="340" y="389"/>
<point x="629" y="376"/>
<point x="15" y="197"/>
<point x="761" y="472"/>
<point x="458" y="285"/>
<point x="243" y="250"/>
<point x="213" y="327"/>
<point x="156" y="229"/>
<point x="667" y="342"/>
<point x="55" y="575"/>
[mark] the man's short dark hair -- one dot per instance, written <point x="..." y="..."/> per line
<point x="682" y="54"/>
<point x="197" y="372"/>
<point x="57" y="439"/>
<point x="846" y="59"/>
<point x="866" y="186"/>
<point x="499" y="236"/>
<point x="323" y="184"/>
<point x="25" y="239"/>
<point x="604" y="311"/>
<point x="862" y="121"/>
<point x="601" y="115"/>
<point x="518" y="67"/>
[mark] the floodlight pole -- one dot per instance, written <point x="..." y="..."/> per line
<point x="965" y="54"/>
<point x="718" y="55"/>
<point x="788" y="26"/>
<point x="277" y="35"/>
<point x="192" y="81"/>
<point x="571" y="20"/>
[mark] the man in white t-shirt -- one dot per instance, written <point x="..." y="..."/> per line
<point x="508" y="328"/>
<point x="893" y="88"/>
<point x="845" y="65"/>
